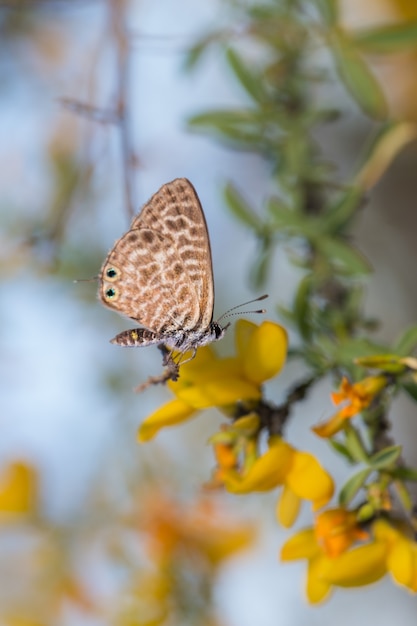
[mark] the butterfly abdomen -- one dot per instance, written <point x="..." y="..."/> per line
<point x="136" y="337"/>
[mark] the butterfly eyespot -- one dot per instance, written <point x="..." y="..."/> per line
<point x="112" y="273"/>
<point x="111" y="293"/>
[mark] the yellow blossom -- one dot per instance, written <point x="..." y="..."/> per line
<point x="330" y="562"/>
<point x="281" y="465"/>
<point x="210" y="381"/>
<point x="401" y="553"/>
<point x="357" y="397"/>
<point x="18" y="489"/>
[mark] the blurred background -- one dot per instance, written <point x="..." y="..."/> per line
<point x="93" y="116"/>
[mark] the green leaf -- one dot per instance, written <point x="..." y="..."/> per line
<point x="196" y="51"/>
<point x="223" y="117"/>
<point x="407" y="342"/>
<point x="411" y="389"/>
<point x="352" y="486"/>
<point x="250" y="81"/>
<point x="260" y="268"/>
<point x="348" y="260"/>
<point x="284" y="217"/>
<point x="387" y="39"/>
<point x="354" y="445"/>
<point x="341" y="449"/>
<point x="234" y="126"/>
<point x="385" y="458"/>
<point x="339" y="215"/>
<point x="404" y="496"/>
<point x="240" y="208"/>
<point x="405" y="473"/>
<point x="350" y="349"/>
<point x="302" y="307"/>
<point x="357" y="77"/>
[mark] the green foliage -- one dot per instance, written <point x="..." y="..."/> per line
<point x="386" y="458"/>
<point x="407" y="342"/>
<point x="311" y="213"/>
<point x="356" y="76"/>
<point x="352" y="487"/>
<point x="387" y="39"/>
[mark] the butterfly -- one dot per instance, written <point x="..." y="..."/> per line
<point x="160" y="275"/>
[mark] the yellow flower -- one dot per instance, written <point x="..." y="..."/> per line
<point x="18" y="489"/>
<point x="358" y="396"/>
<point x="208" y="380"/>
<point x="401" y="554"/>
<point x="330" y="562"/>
<point x="299" y="473"/>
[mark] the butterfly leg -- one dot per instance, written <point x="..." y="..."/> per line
<point x="190" y="358"/>
<point x="166" y="354"/>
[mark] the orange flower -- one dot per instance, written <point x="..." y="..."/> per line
<point x="330" y="562"/>
<point x="358" y="396"/>
<point x="200" y="529"/>
<point x="336" y="530"/>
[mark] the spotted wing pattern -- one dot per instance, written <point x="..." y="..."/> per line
<point x="160" y="272"/>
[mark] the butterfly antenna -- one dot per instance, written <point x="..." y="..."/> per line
<point x="230" y="313"/>
<point x="86" y="280"/>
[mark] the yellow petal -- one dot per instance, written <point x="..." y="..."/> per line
<point x="288" y="507"/>
<point x="170" y="414"/>
<point x="361" y="566"/>
<point x="226" y="542"/>
<point x="265" y="352"/>
<point x="331" y="427"/>
<point x="192" y="373"/>
<point x="267" y="472"/>
<point x="243" y="333"/>
<point x="302" y="545"/>
<point x="220" y="392"/>
<point x="317" y="589"/>
<point x="18" y="489"/>
<point x="402" y="563"/>
<point x="309" y="480"/>
<point x="384" y="532"/>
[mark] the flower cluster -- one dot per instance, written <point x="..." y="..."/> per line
<point x="348" y="545"/>
<point x="333" y="562"/>
<point x="298" y="473"/>
<point x="211" y="381"/>
<point x="234" y="385"/>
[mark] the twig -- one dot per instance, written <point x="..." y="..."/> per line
<point x="117" y="14"/>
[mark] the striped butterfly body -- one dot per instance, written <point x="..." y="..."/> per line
<point x="160" y="275"/>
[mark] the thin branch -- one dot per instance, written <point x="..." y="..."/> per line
<point x="117" y="14"/>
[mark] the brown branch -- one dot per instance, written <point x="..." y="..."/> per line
<point x="273" y="418"/>
<point x="117" y="14"/>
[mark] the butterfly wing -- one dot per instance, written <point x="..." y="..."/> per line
<point x="159" y="273"/>
<point x="177" y="211"/>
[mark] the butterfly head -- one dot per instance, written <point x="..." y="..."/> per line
<point x="218" y="331"/>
